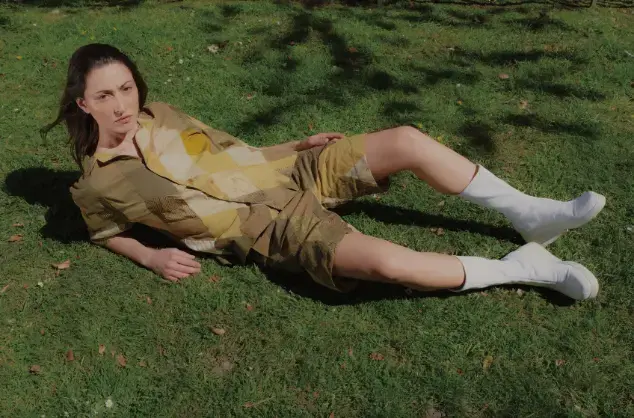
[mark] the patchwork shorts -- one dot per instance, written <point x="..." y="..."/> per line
<point x="304" y="235"/>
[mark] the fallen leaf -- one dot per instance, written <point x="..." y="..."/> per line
<point x="560" y="362"/>
<point x="42" y="332"/>
<point x="62" y="266"/>
<point x="350" y="351"/>
<point x="102" y="349"/>
<point x="460" y="372"/>
<point x="70" y="356"/>
<point x="343" y="365"/>
<point x="503" y="76"/>
<point x="459" y="102"/>
<point x="310" y="126"/>
<point x="250" y="96"/>
<point x="249" y="307"/>
<point x="19" y="57"/>
<point x="433" y="413"/>
<point x="121" y="360"/>
<point x="35" y="369"/>
<point x="169" y="48"/>
<point x="4" y="289"/>
<point x="17" y="225"/>
<point x="142" y="363"/>
<point x="523" y="104"/>
<point x="332" y="415"/>
<point x="214" y="279"/>
<point x="315" y="395"/>
<point x="162" y="351"/>
<point x="486" y="363"/>
<point x="148" y="300"/>
<point x="16" y="238"/>
<point x="440" y="232"/>
<point x="218" y="331"/>
<point x="25" y="286"/>
<point x="213" y="48"/>
<point x="352" y="50"/>
<point x="249" y="404"/>
<point x="376" y="356"/>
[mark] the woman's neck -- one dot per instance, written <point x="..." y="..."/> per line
<point x="112" y="139"/>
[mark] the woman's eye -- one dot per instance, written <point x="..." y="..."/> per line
<point x="103" y="96"/>
<point x="127" y="88"/>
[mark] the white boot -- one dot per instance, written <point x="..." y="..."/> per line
<point x="531" y="265"/>
<point x="536" y="219"/>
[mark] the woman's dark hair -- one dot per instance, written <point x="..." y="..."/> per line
<point x="82" y="128"/>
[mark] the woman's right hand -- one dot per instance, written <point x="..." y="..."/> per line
<point x="173" y="264"/>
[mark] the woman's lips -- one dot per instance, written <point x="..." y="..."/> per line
<point x="124" y="120"/>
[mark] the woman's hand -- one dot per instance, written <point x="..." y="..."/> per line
<point x="173" y="264"/>
<point x="319" y="140"/>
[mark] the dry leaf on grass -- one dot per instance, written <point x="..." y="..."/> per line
<point x="523" y="104"/>
<point x="376" y="356"/>
<point x="148" y="300"/>
<point x="121" y="360"/>
<point x="70" y="356"/>
<point x="433" y="413"/>
<point x="102" y="349"/>
<point x="214" y="279"/>
<point x="142" y="363"/>
<point x="42" y="332"/>
<point x="218" y="331"/>
<point x="4" y="289"/>
<point x="503" y="76"/>
<point x="15" y="238"/>
<point x="62" y="266"/>
<point x="332" y="415"/>
<point x="560" y="362"/>
<point x="17" y="225"/>
<point x="249" y="307"/>
<point x="486" y="363"/>
<point x="35" y="369"/>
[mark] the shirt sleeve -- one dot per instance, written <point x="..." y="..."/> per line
<point x="102" y="219"/>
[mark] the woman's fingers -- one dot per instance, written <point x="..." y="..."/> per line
<point x="178" y="274"/>
<point x="183" y="253"/>
<point x="186" y="261"/>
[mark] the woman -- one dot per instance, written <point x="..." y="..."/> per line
<point x="214" y="194"/>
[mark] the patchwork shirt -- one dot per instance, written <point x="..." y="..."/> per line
<point x="199" y="185"/>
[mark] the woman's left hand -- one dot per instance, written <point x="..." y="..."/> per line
<point x="319" y="140"/>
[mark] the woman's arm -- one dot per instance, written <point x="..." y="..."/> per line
<point x="310" y="142"/>
<point x="169" y="263"/>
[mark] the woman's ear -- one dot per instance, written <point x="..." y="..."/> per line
<point x="82" y="104"/>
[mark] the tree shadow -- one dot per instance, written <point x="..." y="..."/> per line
<point x="480" y="135"/>
<point x="124" y="4"/>
<point x="587" y="130"/>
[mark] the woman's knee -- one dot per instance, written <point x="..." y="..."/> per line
<point x="409" y="141"/>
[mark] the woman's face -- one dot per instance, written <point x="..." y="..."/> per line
<point x="112" y="98"/>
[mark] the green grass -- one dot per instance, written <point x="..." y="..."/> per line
<point x="562" y="123"/>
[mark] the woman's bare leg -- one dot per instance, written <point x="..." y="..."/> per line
<point x="537" y="219"/>
<point x="364" y="257"/>
<point x="406" y="148"/>
<point x="367" y="258"/>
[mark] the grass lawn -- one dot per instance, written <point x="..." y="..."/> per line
<point x="541" y="96"/>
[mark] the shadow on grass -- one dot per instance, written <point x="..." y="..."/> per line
<point x="367" y="291"/>
<point x="125" y="4"/>
<point x="50" y="188"/>
<point x="402" y="216"/>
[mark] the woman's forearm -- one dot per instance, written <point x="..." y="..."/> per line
<point x="292" y="146"/>
<point x="132" y="249"/>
